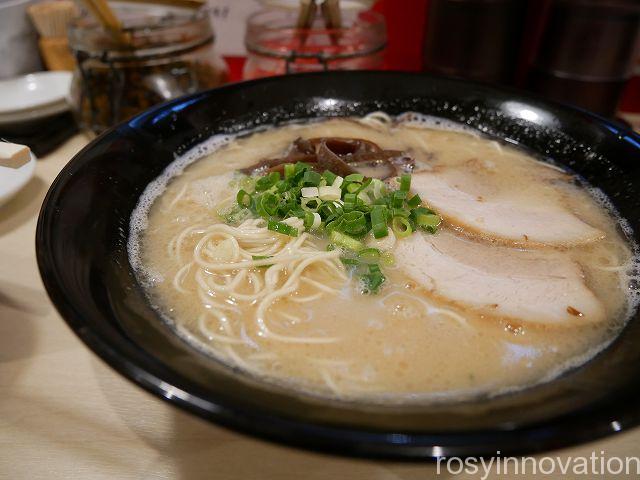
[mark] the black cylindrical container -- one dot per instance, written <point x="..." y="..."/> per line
<point x="586" y="52"/>
<point x="477" y="39"/>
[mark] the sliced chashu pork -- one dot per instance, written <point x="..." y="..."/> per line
<point x="470" y="198"/>
<point x="541" y="287"/>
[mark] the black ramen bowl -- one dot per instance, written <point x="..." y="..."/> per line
<point x="82" y="254"/>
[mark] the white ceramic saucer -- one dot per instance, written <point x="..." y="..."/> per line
<point x="34" y="96"/>
<point x="12" y="180"/>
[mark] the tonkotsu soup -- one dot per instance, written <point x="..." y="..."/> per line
<point x="383" y="260"/>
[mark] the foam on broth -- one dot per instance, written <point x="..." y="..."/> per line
<point x="395" y="346"/>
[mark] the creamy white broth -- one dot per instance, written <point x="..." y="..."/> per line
<point x="409" y="342"/>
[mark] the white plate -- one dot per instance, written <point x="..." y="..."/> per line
<point x="34" y="91"/>
<point x="33" y="114"/>
<point x="12" y="180"/>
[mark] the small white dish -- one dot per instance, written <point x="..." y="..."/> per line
<point x="34" y="91"/>
<point x="12" y="180"/>
<point x="33" y="114"/>
<point x="33" y="97"/>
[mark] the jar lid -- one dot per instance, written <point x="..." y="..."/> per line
<point x="273" y="33"/>
<point x="357" y="5"/>
<point x="154" y="30"/>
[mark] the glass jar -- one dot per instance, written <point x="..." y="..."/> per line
<point x="169" y="52"/>
<point x="276" y="46"/>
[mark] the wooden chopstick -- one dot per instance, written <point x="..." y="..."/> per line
<point x="103" y="13"/>
<point x="331" y="13"/>
<point x="332" y="18"/>
<point x="306" y="15"/>
<point x="193" y="4"/>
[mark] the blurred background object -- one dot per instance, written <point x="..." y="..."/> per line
<point x="405" y="31"/>
<point x="164" y="51"/>
<point x="33" y="96"/>
<point x="575" y="51"/>
<point x="34" y="110"/>
<point x="477" y="39"/>
<point x="580" y="52"/>
<point x="308" y="37"/>
<point x="18" y="40"/>
<point x="629" y="108"/>
<point x="52" y="20"/>
<point x="586" y="53"/>
<point x="229" y="18"/>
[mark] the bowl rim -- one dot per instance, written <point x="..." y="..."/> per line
<point x="338" y="440"/>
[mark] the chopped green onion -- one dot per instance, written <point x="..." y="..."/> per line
<point x="317" y="221"/>
<point x="283" y="228"/>
<point x="345" y="241"/>
<point x="308" y="220"/>
<point x="373" y="280"/>
<point x="247" y="183"/>
<point x="428" y="222"/>
<point x="342" y="209"/>
<point x="282" y="186"/>
<point x="301" y="167"/>
<point x="268" y="204"/>
<point x="400" y="212"/>
<point x="422" y="210"/>
<point x="387" y="259"/>
<point x="380" y="230"/>
<point x="311" y="178"/>
<point x="328" y="211"/>
<point x="350" y="198"/>
<point x="354" y="177"/>
<point x="309" y="192"/>
<point x="364" y="185"/>
<point x="334" y="224"/>
<point x="350" y="202"/>
<point x="378" y="214"/>
<point x="364" y="198"/>
<point x="378" y="188"/>
<point x="353" y="187"/>
<point x="268" y="181"/>
<point x="405" y="182"/>
<point x="310" y="204"/>
<point x="355" y="223"/>
<point x="426" y="219"/>
<point x="414" y="201"/>
<point x="350" y="262"/>
<point x="329" y="177"/>
<point x="354" y="218"/>
<point x="262" y="257"/>
<point x="398" y="199"/>
<point x="243" y="198"/>
<point x="369" y="255"/>
<point x="233" y="215"/>
<point x="294" y="212"/>
<point x="401" y="227"/>
<point x="289" y="170"/>
<point x="329" y="193"/>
